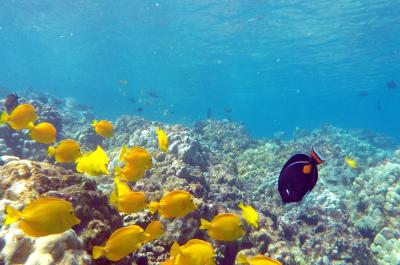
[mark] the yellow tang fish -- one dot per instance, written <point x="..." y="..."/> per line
<point x="194" y="252"/>
<point x="249" y="214"/>
<point x="350" y="162"/>
<point x="224" y="227"/>
<point x="126" y="200"/>
<point x="103" y="128"/>
<point x="176" y="203"/>
<point x="154" y="230"/>
<point x="121" y="243"/>
<point x="129" y="173"/>
<point x="43" y="217"/>
<point x="256" y="260"/>
<point x="162" y="139"/>
<point x="20" y="117"/>
<point x="93" y="163"/>
<point x="66" y="151"/>
<point x="44" y="132"/>
<point x="136" y="157"/>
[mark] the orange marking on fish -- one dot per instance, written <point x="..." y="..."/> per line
<point x="307" y="169"/>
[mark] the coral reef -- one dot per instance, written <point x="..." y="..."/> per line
<point x="349" y="218"/>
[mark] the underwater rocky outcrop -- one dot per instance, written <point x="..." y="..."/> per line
<point x="349" y="218"/>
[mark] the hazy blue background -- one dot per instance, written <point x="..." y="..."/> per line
<point x="275" y="64"/>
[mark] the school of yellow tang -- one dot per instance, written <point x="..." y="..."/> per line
<point x="50" y="215"/>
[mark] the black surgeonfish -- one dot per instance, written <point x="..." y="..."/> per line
<point x="299" y="176"/>
<point x="11" y="102"/>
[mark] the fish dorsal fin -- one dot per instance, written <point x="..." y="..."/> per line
<point x="224" y="215"/>
<point x="265" y="258"/>
<point x="132" y="228"/>
<point x="100" y="152"/>
<point x="171" y="194"/>
<point x="123" y="152"/>
<point x="139" y="149"/>
<point x="242" y="259"/>
<point x="44" y="202"/>
<point x="195" y="241"/>
<point x="175" y="249"/>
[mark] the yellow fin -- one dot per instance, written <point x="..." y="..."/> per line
<point x="12" y="215"/>
<point x="4" y="117"/>
<point x="51" y="151"/>
<point x="153" y="207"/>
<point x="175" y="249"/>
<point x="204" y="224"/>
<point x="117" y="172"/>
<point x="97" y="252"/>
<point x="94" y="122"/>
<point x="121" y="187"/>
<point x="242" y="259"/>
<point x="123" y="152"/>
<point x="113" y="198"/>
<point x="30" y="126"/>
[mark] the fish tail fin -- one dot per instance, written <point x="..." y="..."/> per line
<point x="51" y="151"/>
<point x="98" y="252"/>
<point x="242" y="259"/>
<point x="94" y="122"/>
<point x="148" y="237"/>
<point x="117" y="172"/>
<point x="153" y="207"/>
<point x="12" y="215"/>
<point x="4" y="117"/>
<point x="113" y="198"/>
<point x="30" y="126"/>
<point x="204" y="224"/>
<point x="316" y="158"/>
<point x="241" y="205"/>
<point x="123" y="152"/>
<point x="175" y="249"/>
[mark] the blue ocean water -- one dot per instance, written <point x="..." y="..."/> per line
<point x="273" y="65"/>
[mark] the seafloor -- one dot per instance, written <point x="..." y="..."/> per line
<point x="351" y="217"/>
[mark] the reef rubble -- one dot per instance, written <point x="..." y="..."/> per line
<point x="350" y="218"/>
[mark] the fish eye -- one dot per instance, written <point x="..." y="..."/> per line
<point x="71" y="212"/>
